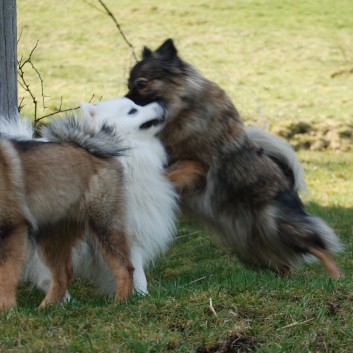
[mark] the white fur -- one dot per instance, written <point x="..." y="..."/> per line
<point x="151" y="200"/>
<point x="19" y="128"/>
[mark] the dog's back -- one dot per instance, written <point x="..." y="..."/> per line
<point x="58" y="176"/>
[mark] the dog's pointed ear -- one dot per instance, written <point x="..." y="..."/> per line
<point x="167" y="49"/>
<point x="88" y="110"/>
<point x="146" y="53"/>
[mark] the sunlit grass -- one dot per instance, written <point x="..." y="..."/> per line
<point x="275" y="59"/>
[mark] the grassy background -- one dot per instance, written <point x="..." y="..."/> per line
<point x="284" y="64"/>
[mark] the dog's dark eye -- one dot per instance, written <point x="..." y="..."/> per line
<point x="141" y="83"/>
<point x="132" y="111"/>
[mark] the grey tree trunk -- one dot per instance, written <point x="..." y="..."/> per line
<point x="8" y="60"/>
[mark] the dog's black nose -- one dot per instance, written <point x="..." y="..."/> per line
<point x="137" y="99"/>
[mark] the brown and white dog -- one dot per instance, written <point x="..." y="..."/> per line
<point x="56" y="192"/>
<point x="240" y="182"/>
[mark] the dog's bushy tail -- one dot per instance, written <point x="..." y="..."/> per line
<point x="19" y="129"/>
<point x="98" y="139"/>
<point x="280" y="150"/>
<point x="330" y="240"/>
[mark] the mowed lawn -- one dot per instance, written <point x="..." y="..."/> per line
<point x="283" y="63"/>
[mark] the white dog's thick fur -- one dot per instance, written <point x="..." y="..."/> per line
<point x="151" y="199"/>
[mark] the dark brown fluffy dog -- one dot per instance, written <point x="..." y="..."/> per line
<point x="246" y="182"/>
<point x="58" y="191"/>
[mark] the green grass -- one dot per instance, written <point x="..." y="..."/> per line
<point x="306" y="312"/>
<point x="281" y="62"/>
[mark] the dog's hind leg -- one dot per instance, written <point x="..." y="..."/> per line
<point x="113" y="244"/>
<point x="312" y="243"/>
<point x="58" y="259"/>
<point x="122" y="272"/>
<point x="307" y="234"/>
<point x="330" y="266"/>
<point x="13" y="244"/>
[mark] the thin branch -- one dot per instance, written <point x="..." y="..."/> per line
<point x="93" y="6"/>
<point x="23" y="83"/>
<point x="20" y="106"/>
<point x="19" y="37"/>
<point x="41" y="83"/>
<point x="21" y="64"/>
<point x="93" y="95"/>
<point x="111" y="15"/>
<point x="60" y="110"/>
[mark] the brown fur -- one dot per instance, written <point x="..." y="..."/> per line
<point x="187" y="177"/>
<point x="250" y="199"/>
<point x="57" y="192"/>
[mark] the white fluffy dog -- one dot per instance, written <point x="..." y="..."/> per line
<point x="151" y="199"/>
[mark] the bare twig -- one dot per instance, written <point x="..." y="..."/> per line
<point x="19" y="37"/>
<point x="111" y="15"/>
<point x="22" y="81"/>
<point x="60" y="110"/>
<point x="21" y="105"/>
<point x="93" y="6"/>
<point x="41" y="83"/>
<point x="21" y="63"/>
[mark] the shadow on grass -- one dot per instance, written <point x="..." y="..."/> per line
<point x="195" y="260"/>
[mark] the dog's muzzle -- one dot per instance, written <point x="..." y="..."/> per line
<point x="160" y="110"/>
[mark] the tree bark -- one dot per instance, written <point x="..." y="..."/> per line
<point x="8" y="60"/>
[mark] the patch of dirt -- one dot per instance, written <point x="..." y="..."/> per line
<point x="333" y="308"/>
<point x="342" y="72"/>
<point x="330" y="135"/>
<point x="322" y="345"/>
<point x="235" y="343"/>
